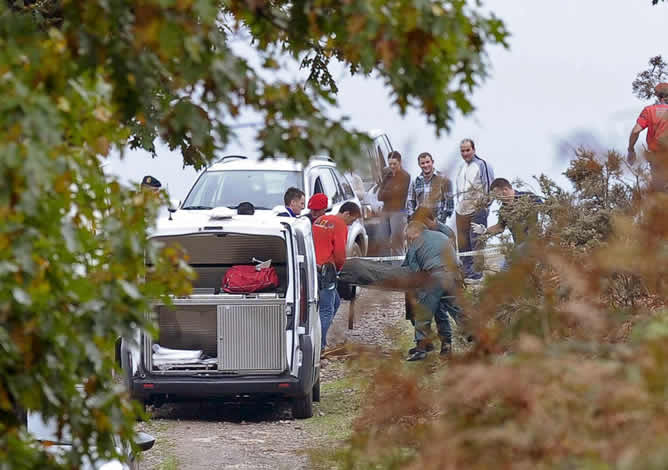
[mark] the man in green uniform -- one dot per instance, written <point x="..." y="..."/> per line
<point x="432" y="252"/>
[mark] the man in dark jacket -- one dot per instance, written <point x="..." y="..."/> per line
<point x="294" y="202"/>
<point x="393" y="192"/>
<point x="518" y="213"/>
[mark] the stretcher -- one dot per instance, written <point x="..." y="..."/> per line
<point x="385" y="273"/>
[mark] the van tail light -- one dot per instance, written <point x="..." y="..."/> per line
<point x="303" y="300"/>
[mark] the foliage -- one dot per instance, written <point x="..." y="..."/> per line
<point x="176" y="76"/>
<point x="82" y="79"/>
<point x="568" y="370"/>
<point x="643" y="85"/>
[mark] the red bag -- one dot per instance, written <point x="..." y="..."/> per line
<point x="244" y="279"/>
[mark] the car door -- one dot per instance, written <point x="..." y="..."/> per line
<point x="345" y="188"/>
<point x="378" y="151"/>
<point x="322" y="181"/>
<point x="308" y="319"/>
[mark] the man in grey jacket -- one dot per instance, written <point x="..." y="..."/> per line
<point x="474" y="178"/>
<point x="432" y="253"/>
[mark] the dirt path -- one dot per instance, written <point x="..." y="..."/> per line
<point x="216" y="435"/>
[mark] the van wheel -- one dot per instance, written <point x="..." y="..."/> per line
<point x="357" y="250"/>
<point x="302" y="407"/>
<point x="316" y="388"/>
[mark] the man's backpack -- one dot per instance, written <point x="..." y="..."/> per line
<point x="245" y="279"/>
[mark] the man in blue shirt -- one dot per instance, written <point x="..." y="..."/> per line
<point x="294" y="200"/>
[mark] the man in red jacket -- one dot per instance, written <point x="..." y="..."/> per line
<point x="654" y="118"/>
<point x="317" y="206"/>
<point x="330" y="235"/>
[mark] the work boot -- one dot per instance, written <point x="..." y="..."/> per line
<point x="428" y="348"/>
<point x="418" y="355"/>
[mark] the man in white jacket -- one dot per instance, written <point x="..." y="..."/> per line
<point x="474" y="177"/>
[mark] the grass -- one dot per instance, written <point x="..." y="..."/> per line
<point x="341" y="400"/>
<point x="169" y="463"/>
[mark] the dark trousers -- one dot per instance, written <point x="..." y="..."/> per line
<point x="431" y="303"/>
<point x="467" y="240"/>
<point x="436" y="304"/>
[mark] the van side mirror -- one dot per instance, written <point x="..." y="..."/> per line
<point x="174" y="205"/>
<point x="144" y="441"/>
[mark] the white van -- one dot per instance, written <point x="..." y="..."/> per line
<point x="265" y="344"/>
<point x="235" y="179"/>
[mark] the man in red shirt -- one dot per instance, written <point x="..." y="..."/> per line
<point x="655" y="119"/>
<point x="330" y="235"/>
<point x="317" y="206"/>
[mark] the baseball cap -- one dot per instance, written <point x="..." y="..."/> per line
<point x="318" y="202"/>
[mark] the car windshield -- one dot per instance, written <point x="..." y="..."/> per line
<point x="46" y="430"/>
<point x="264" y="189"/>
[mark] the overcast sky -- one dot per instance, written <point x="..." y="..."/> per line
<point x="566" y="79"/>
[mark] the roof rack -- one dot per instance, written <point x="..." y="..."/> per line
<point x="231" y="157"/>
<point x="323" y="157"/>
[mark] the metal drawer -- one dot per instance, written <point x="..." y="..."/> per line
<point x="251" y="336"/>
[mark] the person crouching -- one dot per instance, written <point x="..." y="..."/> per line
<point x="431" y="252"/>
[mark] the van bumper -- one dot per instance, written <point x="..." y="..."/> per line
<point x="210" y="387"/>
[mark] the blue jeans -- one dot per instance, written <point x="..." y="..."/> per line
<point x="469" y="241"/>
<point x="329" y="305"/>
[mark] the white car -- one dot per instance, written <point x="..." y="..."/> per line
<point x="236" y="179"/>
<point x="265" y="343"/>
<point x="370" y="174"/>
<point x="46" y="431"/>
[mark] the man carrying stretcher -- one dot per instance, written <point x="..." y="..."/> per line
<point x="432" y="253"/>
<point x="430" y="272"/>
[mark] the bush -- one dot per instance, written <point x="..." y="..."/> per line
<point x="569" y="368"/>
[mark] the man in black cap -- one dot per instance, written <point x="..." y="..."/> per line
<point x="150" y="183"/>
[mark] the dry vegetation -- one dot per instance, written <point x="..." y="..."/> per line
<point x="570" y="367"/>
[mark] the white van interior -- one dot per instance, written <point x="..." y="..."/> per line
<point x="215" y="332"/>
<point x="212" y="254"/>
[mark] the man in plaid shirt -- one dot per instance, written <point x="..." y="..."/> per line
<point x="430" y="189"/>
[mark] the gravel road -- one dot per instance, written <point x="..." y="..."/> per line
<point x="218" y="435"/>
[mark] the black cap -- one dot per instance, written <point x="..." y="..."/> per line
<point x="150" y="181"/>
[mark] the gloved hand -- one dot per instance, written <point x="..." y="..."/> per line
<point x="478" y="229"/>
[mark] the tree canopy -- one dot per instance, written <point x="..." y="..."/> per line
<point x="82" y="79"/>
